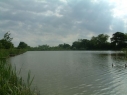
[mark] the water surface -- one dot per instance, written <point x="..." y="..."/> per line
<point x="75" y="72"/>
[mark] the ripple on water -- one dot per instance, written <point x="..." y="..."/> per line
<point x="91" y="73"/>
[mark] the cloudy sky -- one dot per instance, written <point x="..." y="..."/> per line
<point x="54" y="22"/>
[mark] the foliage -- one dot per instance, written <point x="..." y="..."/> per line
<point x="64" y="46"/>
<point x="76" y="45"/>
<point x="6" y="43"/>
<point x="118" y="40"/>
<point x="7" y="37"/>
<point x="5" y="53"/>
<point x="43" y="47"/>
<point x="22" y="45"/>
<point x="96" y="43"/>
<point x="11" y="83"/>
<point x="100" y="42"/>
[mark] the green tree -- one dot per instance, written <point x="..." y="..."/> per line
<point x="100" y="42"/>
<point x="43" y="47"/>
<point x="94" y="43"/>
<point x="22" y="45"/>
<point x="84" y="44"/>
<point x="76" y="45"/>
<point x="7" y="37"/>
<point x="6" y="43"/>
<point x="118" y="40"/>
<point x="64" y="46"/>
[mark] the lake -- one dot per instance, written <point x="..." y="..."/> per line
<point x="74" y="72"/>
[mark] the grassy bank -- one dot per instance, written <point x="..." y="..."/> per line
<point x="4" y="53"/>
<point x="10" y="82"/>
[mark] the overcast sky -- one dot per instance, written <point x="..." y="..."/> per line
<point x="54" y="22"/>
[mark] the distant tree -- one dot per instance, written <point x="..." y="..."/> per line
<point x="43" y="47"/>
<point x="76" y="45"/>
<point x="103" y="38"/>
<point x="94" y="43"/>
<point x="6" y="43"/>
<point x="81" y="44"/>
<point x="84" y="44"/>
<point x="100" y="42"/>
<point x="118" y="40"/>
<point x="64" y="46"/>
<point x="22" y="45"/>
<point x="7" y="37"/>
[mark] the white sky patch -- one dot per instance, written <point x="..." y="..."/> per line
<point x="57" y="11"/>
<point x="64" y="1"/>
<point x="42" y="1"/>
<point x="95" y="1"/>
<point x="120" y="9"/>
<point x="20" y="24"/>
<point x="110" y="27"/>
<point x="4" y="9"/>
<point x="51" y="13"/>
<point x="48" y="13"/>
<point x="118" y="13"/>
<point x="110" y="36"/>
<point x="77" y="22"/>
<point x="70" y="38"/>
<point x="90" y="35"/>
<point x="49" y="38"/>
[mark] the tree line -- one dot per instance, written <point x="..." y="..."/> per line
<point x="118" y="41"/>
<point x="6" y="43"/>
<point x="100" y="42"/>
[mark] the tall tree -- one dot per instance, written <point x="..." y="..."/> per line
<point x="22" y="45"/>
<point x="6" y="43"/>
<point x="64" y="46"/>
<point x="76" y="45"/>
<point x="7" y="37"/>
<point x="100" y="42"/>
<point x="94" y="43"/>
<point x="118" y="40"/>
<point x="43" y="47"/>
<point x="84" y="44"/>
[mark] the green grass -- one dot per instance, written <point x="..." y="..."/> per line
<point x="4" y="53"/>
<point x="10" y="82"/>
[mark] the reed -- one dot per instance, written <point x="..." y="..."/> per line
<point x="11" y="83"/>
<point x="4" y="53"/>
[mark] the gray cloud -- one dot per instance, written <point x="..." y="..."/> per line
<point x="56" y="21"/>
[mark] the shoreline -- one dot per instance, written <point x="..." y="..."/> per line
<point x="11" y="83"/>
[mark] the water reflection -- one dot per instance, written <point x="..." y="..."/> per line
<point x="75" y="72"/>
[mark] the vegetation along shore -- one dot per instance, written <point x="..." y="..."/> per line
<point x="10" y="81"/>
<point x="12" y="84"/>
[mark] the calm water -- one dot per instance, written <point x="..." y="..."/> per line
<point x="75" y="72"/>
